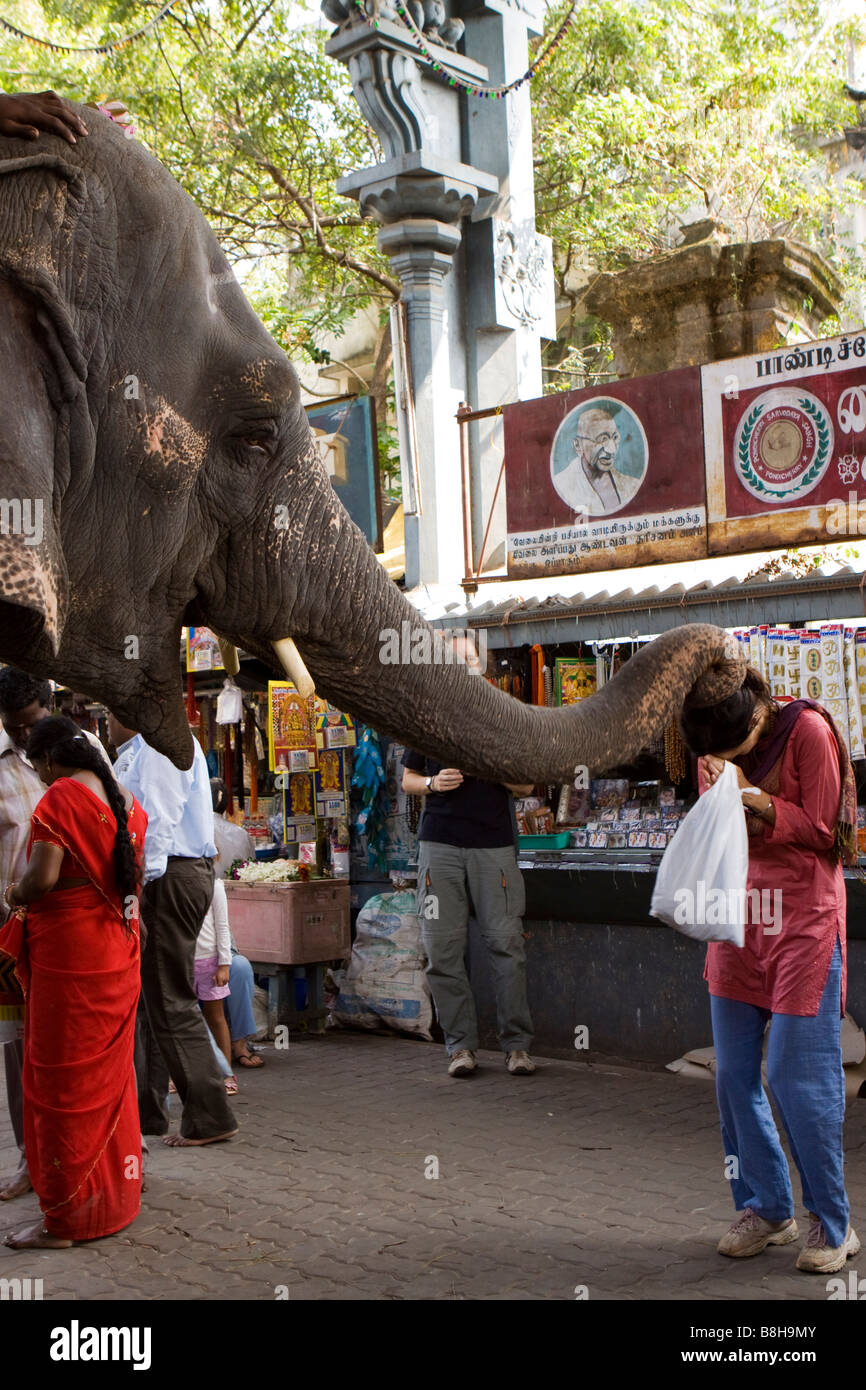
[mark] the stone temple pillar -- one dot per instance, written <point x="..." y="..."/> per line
<point x="453" y="195"/>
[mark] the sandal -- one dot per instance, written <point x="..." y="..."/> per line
<point x="248" y="1059"/>
<point x="231" y="1085"/>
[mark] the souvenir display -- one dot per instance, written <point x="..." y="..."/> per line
<point x="202" y="650"/>
<point x="333" y="729"/>
<point x="852" y="696"/>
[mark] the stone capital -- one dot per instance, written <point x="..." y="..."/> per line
<point x="421" y="251"/>
<point x="531" y="12"/>
<point x="418" y="184"/>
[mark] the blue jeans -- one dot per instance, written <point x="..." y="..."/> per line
<point x="805" y="1080"/>
<point x="239" y="1003"/>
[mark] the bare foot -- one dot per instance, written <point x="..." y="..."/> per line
<point x="177" y="1141"/>
<point x="19" y="1185"/>
<point x="36" y="1237"/>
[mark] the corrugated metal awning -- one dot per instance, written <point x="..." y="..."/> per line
<point x="829" y="595"/>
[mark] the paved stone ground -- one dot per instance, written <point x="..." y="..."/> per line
<point x="581" y="1175"/>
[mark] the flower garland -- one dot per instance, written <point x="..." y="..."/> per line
<point x="454" y="80"/>
<point x="110" y="47"/>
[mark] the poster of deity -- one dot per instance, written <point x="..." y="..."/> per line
<point x="575" y="679"/>
<point x="291" y="729"/>
<point x="332" y="778"/>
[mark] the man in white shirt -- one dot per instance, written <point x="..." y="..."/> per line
<point x="24" y="701"/>
<point x="171" y="1036"/>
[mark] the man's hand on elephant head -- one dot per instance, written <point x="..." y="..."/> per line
<point x="24" y="114"/>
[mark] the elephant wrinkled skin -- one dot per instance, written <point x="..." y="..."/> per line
<point x="156" y="469"/>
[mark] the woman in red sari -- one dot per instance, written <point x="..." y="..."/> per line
<point x="74" y="937"/>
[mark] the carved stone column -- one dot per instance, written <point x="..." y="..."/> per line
<point x="421" y="193"/>
<point x="453" y="162"/>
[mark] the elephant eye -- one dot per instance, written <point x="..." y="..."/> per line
<point x="261" y="443"/>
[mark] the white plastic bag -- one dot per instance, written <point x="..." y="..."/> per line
<point x="230" y="703"/>
<point x="700" y="887"/>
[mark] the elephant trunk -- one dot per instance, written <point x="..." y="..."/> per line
<point x="373" y="656"/>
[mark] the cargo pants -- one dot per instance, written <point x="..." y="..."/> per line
<point x="452" y="881"/>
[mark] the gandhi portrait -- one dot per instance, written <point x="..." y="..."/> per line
<point x="589" y="467"/>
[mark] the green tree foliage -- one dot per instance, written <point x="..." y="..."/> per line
<point x="655" y="110"/>
<point x="650" y="110"/>
<point x="240" y="102"/>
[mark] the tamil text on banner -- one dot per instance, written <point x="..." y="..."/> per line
<point x="606" y="477"/>
<point x="785" y="440"/>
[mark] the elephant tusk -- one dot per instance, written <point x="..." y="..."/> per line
<point x="293" y="664"/>
<point x="229" y="654"/>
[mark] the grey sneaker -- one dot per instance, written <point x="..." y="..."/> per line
<point x="818" y="1256"/>
<point x="750" y="1234"/>
<point x="463" y="1063"/>
<point x="519" y="1063"/>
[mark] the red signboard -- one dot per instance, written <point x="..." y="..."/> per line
<point x="746" y="454"/>
<point x="606" y="476"/>
<point x="785" y="438"/>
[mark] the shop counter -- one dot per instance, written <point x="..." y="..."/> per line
<point x="617" y="888"/>
<point x="597" y="961"/>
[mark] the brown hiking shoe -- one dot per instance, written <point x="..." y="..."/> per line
<point x="820" y="1257"/>
<point x="750" y="1234"/>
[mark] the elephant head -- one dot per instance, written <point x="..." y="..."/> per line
<point x="157" y="469"/>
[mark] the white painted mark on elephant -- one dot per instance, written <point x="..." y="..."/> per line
<point x="212" y="280"/>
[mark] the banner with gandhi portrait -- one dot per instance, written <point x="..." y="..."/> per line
<point x="606" y="477"/>
<point x="751" y="453"/>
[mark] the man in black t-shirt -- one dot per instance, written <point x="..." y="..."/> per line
<point x="468" y="851"/>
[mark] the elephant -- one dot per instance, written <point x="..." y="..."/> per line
<point x="157" y="470"/>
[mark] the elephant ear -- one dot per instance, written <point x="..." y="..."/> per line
<point x="42" y="377"/>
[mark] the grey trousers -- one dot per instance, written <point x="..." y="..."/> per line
<point x="450" y="880"/>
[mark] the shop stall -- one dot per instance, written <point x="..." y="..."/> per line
<point x="603" y="975"/>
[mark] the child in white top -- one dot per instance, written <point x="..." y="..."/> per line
<point x="213" y="956"/>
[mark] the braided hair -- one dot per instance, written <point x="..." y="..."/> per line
<point x="60" y="738"/>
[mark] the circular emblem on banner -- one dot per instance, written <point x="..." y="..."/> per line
<point x="783" y="445"/>
<point x="813" y="688"/>
<point x="599" y="456"/>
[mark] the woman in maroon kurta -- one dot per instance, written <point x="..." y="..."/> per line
<point x="797" y="788"/>
<point x="77" y="955"/>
